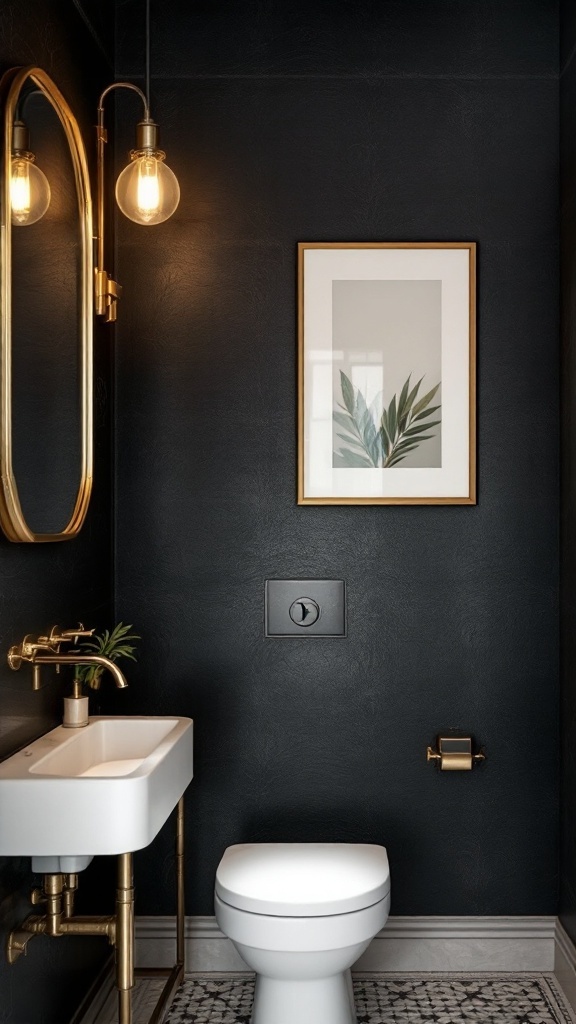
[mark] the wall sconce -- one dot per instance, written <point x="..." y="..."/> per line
<point x="29" y="187"/>
<point x="147" y="191"/>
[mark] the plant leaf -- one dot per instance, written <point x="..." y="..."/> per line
<point x="413" y="393"/>
<point x="384" y="442"/>
<point x="427" y="412"/>
<point x="392" y="424"/>
<point x="376" y="406"/>
<point x="402" y="399"/>
<point x="411" y="442"/>
<point x="366" y="427"/>
<point x="403" y="449"/>
<point x="350" y="460"/>
<point x="347" y="392"/>
<point x="423" y="426"/>
<point x="350" y="440"/>
<point x="343" y="419"/>
<point x="426" y="400"/>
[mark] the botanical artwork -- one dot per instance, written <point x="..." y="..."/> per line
<point x="386" y="404"/>
<point x="382" y="437"/>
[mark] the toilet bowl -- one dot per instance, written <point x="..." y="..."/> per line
<point x="300" y="914"/>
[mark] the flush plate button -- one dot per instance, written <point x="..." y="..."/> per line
<point x="304" y="611"/>
<point x="305" y="608"/>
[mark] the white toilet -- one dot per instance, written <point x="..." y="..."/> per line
<point x="300" y="914"/>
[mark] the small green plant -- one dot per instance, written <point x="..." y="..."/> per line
<point x="112" y="645"/>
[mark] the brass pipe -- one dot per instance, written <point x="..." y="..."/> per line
<point x="70" y="887"/>
<point x="40" y="925"/>
<point x="124" y="1006"/>
<point x="18" y="940"/>
<point x="125" y="937"/>
<point x="90" y="925"/>
<point x="102" y="138"/>
<point x="180" y="904"/>
<point x="53" y="888"/>
<point x="83" y="659"/>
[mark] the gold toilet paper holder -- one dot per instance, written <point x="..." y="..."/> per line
<point x="454" y="754"/>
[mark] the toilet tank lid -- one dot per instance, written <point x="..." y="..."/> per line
<point x="303" y="879"/>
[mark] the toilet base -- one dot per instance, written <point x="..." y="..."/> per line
<point x="312" y="1001"/>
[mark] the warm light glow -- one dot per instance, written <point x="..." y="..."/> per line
<point x="29" y="191"/>
<point x="20" y="190"/>
<point x="148" y="199"/>
<point x="147" y="191"/>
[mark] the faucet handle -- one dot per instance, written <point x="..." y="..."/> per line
<point x="26" y="651"/>
<point x="65" y="636"/>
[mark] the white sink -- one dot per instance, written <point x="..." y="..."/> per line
<point x="106" y="788"/>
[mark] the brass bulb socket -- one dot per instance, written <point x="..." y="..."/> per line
<point x="147" y="135"/>
<point x="21" y="140"/>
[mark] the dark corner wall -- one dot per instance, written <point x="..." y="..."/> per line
<point x="344" y="121"/>
<point x="44" y="584"/>
<point x="568" y="447"/>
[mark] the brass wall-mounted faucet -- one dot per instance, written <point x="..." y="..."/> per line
<point x="45" y="650"/>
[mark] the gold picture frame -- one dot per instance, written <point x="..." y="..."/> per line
<point x="386" y="339"/>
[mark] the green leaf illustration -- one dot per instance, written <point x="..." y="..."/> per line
<point x="347" y="392"/>
<point x="376" y="437"/>
<point x="424" y="401"/>
<point x="349" y="460"/>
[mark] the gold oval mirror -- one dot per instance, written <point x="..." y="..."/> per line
<point x="46" y="314"/>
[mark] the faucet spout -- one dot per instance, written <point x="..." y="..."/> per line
<point x="83" y="659"/>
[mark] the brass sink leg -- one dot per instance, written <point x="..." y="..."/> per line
<point x="125" y="938"/>
<point x="57" y="895"/>
<point x="180" y="907"/>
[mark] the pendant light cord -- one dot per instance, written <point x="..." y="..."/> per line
<point x="147" y="76"/>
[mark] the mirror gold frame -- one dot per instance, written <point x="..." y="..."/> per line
<point x="12" y="518"/>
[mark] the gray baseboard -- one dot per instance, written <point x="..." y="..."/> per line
<point x="565" y="964"/>
<point x="433" y="944"/>
<point x="440" y="944"/>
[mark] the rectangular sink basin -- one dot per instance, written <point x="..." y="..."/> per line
<point x="106" y="788"/>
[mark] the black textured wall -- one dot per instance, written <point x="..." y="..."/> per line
<point x="54" y="583"/>
<point x="567" y="908"/>
<point x="422" y="120"/>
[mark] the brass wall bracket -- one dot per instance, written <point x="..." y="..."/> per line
<point x="454" y="753"/>
<point x="108" y="292"/>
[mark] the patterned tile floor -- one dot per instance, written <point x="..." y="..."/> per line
<point x="395" y="999"/>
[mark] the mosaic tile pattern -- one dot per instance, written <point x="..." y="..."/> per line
<point x="395" y="999"/>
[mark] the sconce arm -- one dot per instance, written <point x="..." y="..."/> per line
<point x="123" y="85"/>
<point x="106" y="288"/>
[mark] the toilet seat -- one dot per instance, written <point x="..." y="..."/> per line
<point x="301" y="934"/>
<point x="303" y="879"/>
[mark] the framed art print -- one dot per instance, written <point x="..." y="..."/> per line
<point x="386" y="375"/>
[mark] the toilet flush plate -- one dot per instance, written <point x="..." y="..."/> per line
<point x="305" y="608"/>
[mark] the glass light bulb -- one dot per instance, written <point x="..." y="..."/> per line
<point x="147" y="191"/>
<point x="29" y="190"/>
